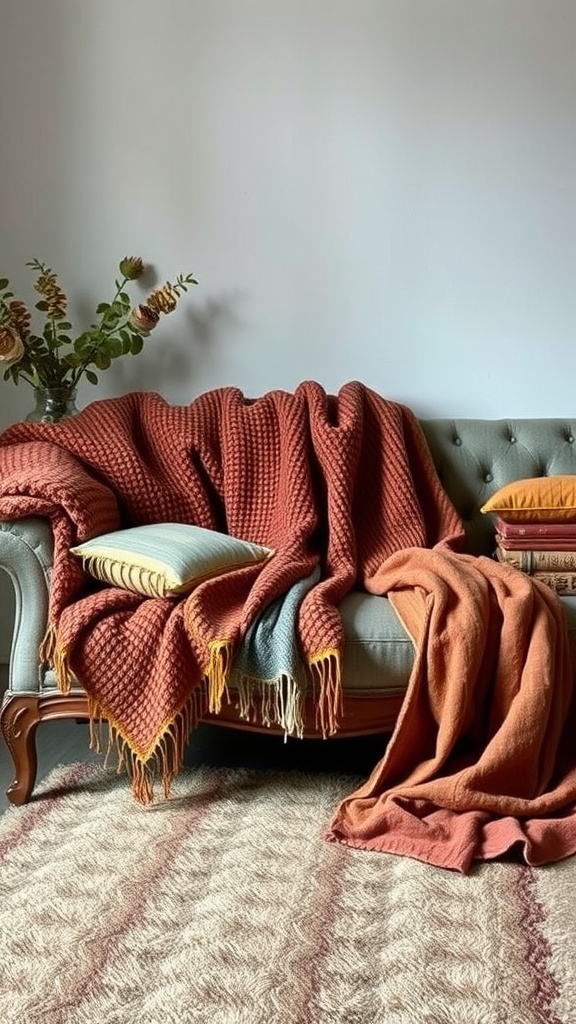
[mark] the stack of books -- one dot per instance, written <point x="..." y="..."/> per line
<point x="546" y="551"/>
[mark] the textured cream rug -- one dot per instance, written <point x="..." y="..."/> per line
<point x="226" y="906"/>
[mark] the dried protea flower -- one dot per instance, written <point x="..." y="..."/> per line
<point x="20" y="317"/>
<point x="144" y="318"/>
<point x="47" y="285"/>
<point x="131" y="267"/>
<point x="11" y="345"/>
<point x="164" y="300"/>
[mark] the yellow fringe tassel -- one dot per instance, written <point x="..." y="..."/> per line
<point x="55" y="655"/>
<point x="62" y="668"/>
<point x="48" y="645"/>
<point x="327" y="669"/>
<point x="217" y="674"/>
<point x="167" y="756"/>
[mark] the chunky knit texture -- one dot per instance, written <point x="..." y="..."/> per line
<point x="338" y="483"/>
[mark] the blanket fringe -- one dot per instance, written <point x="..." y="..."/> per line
<point x="326" y="666"/>
<point x="62" y="670"/>
<point x="48" y="645"/>
<point x="272" y="702"/>
<point x="217" y="673"/>
<point x="166" y="759"/>
<point x="55" y="656"/>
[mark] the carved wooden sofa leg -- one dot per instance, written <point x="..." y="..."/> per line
<point x="19" y="718"/>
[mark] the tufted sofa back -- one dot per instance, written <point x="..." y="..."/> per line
<point x="476" y="457"/>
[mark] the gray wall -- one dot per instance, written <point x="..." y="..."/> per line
<point x="372" y="189"/>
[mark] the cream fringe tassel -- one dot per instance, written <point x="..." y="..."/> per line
<point x="281" y="701"/>
<point x="272" y="702"/>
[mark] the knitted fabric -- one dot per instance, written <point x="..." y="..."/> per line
<point x="335" y="483"/>
<point x="268" y="671"/>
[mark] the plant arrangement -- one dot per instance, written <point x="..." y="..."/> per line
<point x="53" y="358"/>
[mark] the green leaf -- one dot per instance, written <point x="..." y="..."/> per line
<point x="3" y="284"/>
<point x="42" y="306"/>
<point x="114" y="348"/>
<point x="137" y="344"/>
<point x="102" y="360"/>
<point x="63" y="325"/>
<point x="91" y="377"/>
<point x="102" y="307"/>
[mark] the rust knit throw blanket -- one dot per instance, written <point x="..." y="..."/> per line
<point x="338" y="483"/>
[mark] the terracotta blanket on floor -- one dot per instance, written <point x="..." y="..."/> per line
<point x="337" y="483"/>
<point x="482" y="762"/>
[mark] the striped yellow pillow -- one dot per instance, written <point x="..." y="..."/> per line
<point x="165" y="559"/>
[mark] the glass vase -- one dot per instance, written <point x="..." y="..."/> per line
<point x="53" y="405"/>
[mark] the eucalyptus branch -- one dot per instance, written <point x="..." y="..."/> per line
<point x="101" y="329"/>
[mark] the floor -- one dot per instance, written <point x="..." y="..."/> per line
<point x="67" y="742"/>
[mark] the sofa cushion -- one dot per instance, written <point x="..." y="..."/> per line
<point x="378" y="652"/>
<point x="537" y="499"/>
<point x="165" y="559"/>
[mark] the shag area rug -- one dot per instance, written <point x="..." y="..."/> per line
<point x="226" y="906"/>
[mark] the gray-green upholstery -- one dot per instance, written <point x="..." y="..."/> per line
<point x="473" y="457"/>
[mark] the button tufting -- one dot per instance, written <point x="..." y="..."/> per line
<point x="570" y="439"/>
<point x="488" y="478"/>
<point x="512" y="440"/>
<point x="458" y="441"/>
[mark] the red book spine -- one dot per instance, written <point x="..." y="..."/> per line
<point x="532" y="531"/>
<point x="535" y="544"/>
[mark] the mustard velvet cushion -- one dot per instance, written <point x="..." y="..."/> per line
<point x="538" y="499"/>
<point x="165" y="559"/>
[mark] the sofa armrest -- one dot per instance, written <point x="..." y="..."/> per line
<point x="26" y="548"/>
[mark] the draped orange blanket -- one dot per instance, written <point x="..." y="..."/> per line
<point x="481" y="760"/>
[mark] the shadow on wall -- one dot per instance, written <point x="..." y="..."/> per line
<point x="177" y="357"/>
<point x="17" y="402"/>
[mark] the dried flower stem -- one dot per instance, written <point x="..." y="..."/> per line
<point x="53" y="358"/>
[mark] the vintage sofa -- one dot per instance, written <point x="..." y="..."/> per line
<point x="473" y="457"/>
